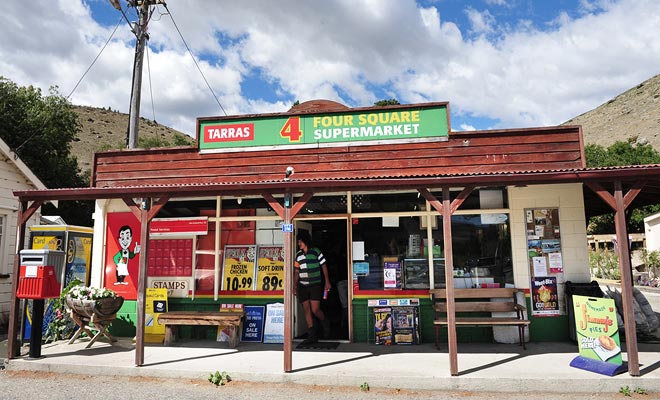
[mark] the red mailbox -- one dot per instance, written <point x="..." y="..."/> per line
<point x="40" y="274"/>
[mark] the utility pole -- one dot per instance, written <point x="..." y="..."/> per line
<point x="136" y="91"/>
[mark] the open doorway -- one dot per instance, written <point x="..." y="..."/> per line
<point x="329" y="235"/>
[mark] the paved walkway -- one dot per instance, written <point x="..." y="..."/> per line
<point x="482" y="367"/>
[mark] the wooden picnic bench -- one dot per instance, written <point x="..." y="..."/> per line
<point x="232" y="319"/>
<point x="472" y="305"/>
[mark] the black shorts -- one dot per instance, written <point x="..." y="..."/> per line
<point x="312" y="292"/>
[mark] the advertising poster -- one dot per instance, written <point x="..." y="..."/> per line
<point x="78" y="258"/>
<point x="404" y="321"/>
<point x="274" y="325"/>
<point x="122" y="257"/>
<point x="253" y="326"/>
<point x="155" y="304"/>
<point x="238" y="267"/>
<point x="545" y="302"/>
<point x="270" y="268"/>
<point x="225" y="331"/>
<point x="392" y="275"/>
<point x="383" y="325"/>
<point x="597" y="329"/>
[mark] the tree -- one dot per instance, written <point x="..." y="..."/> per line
<point x="390" y="102"/>
<point x="621" y="153"/>
<point x="40" y="129"/>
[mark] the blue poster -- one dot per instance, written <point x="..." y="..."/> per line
<point x="253" y="326"/>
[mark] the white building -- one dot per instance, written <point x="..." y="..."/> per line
<point x="14" y="175"/>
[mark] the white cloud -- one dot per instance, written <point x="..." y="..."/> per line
<point x="482" y="21"/>
<point x="339" y="50"/>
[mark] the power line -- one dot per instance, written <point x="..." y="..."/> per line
<point x="151" y="93"/>
<point x="96" y="58"/>
<point x="193" y="58"/>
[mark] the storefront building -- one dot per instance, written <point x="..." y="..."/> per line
<point x="375" y="187"/>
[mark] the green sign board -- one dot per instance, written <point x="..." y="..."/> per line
<point x="597" y="329"/>
<point x="364" y="126"/>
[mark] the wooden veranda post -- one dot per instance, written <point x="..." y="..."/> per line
<point x="287" y="214"/>
<point x="144" y="212"/>
<point x="619" y="203"/>
<point x="447" y="208"/>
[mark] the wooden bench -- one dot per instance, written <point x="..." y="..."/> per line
<point x="231" y="319"/>
<point x="472" y="304"/>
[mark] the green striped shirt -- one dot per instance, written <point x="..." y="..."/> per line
<point x="310" y="266"/>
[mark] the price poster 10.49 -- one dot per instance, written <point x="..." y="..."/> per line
<point x="270" y="268"/>
<point x="239" y="266"/>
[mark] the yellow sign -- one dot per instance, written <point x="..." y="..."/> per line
<point x="270" y="268"/>
<point x="47" y="242"/>
<point x="238" y="268"/>
<point x="156" y="304"/>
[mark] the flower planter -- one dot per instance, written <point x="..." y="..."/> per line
<point x="102" y="307"/>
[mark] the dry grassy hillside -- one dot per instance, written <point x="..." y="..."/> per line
<point x="106" y="130"/>
<point x="632" y="115"/>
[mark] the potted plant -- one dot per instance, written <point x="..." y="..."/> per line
<point x="86" y="301"/>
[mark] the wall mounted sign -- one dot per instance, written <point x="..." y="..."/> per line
<point x="364" y="126"/>
<point x="179" y="226"/>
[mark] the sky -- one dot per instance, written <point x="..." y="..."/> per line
<point x="499" y="63"/>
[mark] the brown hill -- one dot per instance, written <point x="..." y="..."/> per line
<point x="633" y="115"/>
<point x="104" y="129"/>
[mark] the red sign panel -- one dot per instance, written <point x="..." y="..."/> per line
<point x="228" y="133"/>
<point x="176" y="226"/>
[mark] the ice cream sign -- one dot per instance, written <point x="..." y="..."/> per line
<point x="369" y="125"/>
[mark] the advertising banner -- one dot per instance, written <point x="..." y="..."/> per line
<point x="383" y="333"/>
<point x="238" y="268"/>
<point x="357" y="126"/>
<point x="392" y="275"/>
<point x="122" y="257"/>
<point x="179" y="226"/>
<point x="155" y="304"/>
<point x="544" y="296"/>
<point x="270" y="268"/>
<point x="405" y="325"/>
<point x="597" y="329"/>
<point x="274" y="326"/>
<point x="226" y="332"/>
<point x="253" y="326"/>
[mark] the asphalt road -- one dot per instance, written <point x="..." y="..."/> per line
<point x="16" y="385"/>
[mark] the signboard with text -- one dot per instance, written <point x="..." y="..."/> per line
<point x="364" y="126"/>
<point x="179" y="226"/>
<point x="253" y="326"/>
<point x="270" y="268"/>
<point x="238" y="269"/>
<point x="597" y="329"/>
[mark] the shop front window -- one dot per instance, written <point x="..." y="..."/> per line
<point x="481" y="250"/>
<point x="392" y="252"/>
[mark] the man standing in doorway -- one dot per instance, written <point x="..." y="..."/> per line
<point x="309" y="284"/>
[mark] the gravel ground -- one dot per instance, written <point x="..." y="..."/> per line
<point x="30" y="385"/>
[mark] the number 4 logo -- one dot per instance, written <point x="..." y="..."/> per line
<point x="291" y="129"/>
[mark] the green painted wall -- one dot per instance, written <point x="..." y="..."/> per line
<point x="547" y="329"/>
<point x="125" y="324"/>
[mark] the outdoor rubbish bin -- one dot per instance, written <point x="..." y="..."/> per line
<point x="591" y="289"/>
